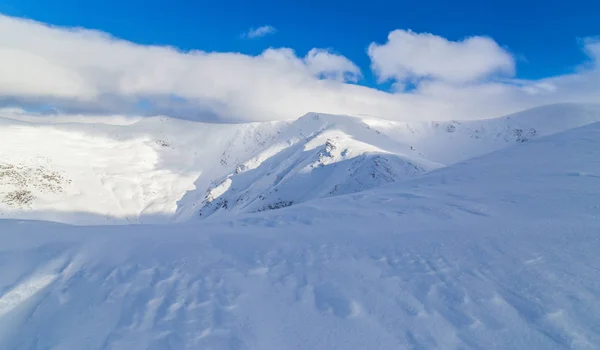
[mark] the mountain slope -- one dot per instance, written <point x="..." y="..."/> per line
<point x="116" y="173"/>
<point x="455" y="141"/>
<point x="499" y="252"/>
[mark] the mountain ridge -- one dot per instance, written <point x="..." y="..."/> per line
<point x="162" y="170"/>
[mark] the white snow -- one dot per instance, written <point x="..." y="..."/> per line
<point x="494" y="252"/>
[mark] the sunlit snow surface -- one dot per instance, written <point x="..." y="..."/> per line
<point x="496" y="252"/>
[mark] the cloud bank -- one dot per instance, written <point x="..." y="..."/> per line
<point x="86" y="71"/>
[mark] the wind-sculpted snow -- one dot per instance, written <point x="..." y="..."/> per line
<point x="498" y="252"/>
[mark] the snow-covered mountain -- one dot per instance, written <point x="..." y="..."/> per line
<point x="456" y="141"/>
<point x="316" y="156"/>
<point x="325" y="155"/>
<point x="496" y="252"/>
<point x="118" y="170"/>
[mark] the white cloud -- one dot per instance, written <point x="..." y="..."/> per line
<point x="25" y="73"/>
<point x="259" y="32"/>
<point x="591" y="46"/>
<point x="329" y="65"/>
<point x="409" y="56"/>
<point x="83" y="71"/>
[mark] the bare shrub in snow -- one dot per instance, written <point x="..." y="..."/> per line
<point x="18" y="198"/>
<point x="19" y="182"/>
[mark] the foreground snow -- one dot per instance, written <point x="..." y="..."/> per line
<point x="496" y="252"/>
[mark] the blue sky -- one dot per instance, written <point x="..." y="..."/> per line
<point x="542" y="35"/>
<point x="411" y="59"/>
